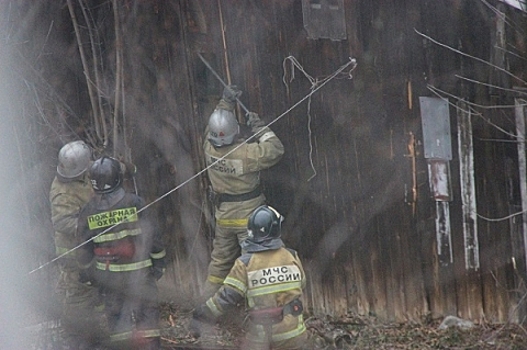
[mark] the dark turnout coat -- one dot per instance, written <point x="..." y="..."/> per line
<point x="126" y="253"/>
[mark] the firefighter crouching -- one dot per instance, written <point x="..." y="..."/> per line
<point x="234" y="173"/>
<point x="82" y="316"/>
<point x="270" y="278"/>
<point x="127" y="258"/>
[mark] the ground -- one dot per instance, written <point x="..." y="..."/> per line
<point x="354" y="332"/>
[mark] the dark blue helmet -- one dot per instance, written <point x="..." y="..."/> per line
<point x="105" y="175"/>
<point x="265" y="223"/>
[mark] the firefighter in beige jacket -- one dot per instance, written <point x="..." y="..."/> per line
<point x="233" y="167"/>
<point x="81" y="312"/>
<point x="269" y="278"/>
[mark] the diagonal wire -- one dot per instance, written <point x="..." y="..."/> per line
<point x="250" y="138"/>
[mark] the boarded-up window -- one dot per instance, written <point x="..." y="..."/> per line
<point x="324" y="19"/>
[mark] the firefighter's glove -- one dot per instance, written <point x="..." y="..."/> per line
<point x="203" y="314"/>
<point x="231" y="93"/>
<point x="254" y="121"/>
<point x="158" y="268"/>
<point x="128" y="169"/>
<point x="194" y="328"/>
<point x="200" y="314"/>
<point x="85" y="276"/>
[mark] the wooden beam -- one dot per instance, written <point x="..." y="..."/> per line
<point x="467" y="187"/>
<point x="519" y="111"/>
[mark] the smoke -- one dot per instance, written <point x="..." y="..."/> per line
<point x="13" y="273"/>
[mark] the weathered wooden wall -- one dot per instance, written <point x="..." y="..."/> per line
<point x="353" y="184"/>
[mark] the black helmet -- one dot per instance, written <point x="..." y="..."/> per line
<point x="105" y="174"/>
<point x="264" y="224"/>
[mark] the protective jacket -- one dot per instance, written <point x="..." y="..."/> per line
<point x="81" y="314"/>
<point x="238" y="172"/>
<point x="236" y="192"/>
<point x="67" y="198"/>
<point x="270" y="278"/>
<point x="127" y="252"/>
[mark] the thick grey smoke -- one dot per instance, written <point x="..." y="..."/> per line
<point x="13" y="273"/>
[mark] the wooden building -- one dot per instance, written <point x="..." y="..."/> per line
<point x="403" y="182"/>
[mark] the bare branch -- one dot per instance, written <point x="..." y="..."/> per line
<point x="490" y="85"/>
<point x="118" y="76"/>
<point x="470" y="56"/>
<point x="95" y="62"/>
<point x="436" y="92"/>
<point x="86" y="70"/>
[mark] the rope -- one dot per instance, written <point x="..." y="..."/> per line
<point x="313" y="90"/>
<point x="314" y="83"/>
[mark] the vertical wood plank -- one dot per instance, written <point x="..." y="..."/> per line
<point x="468" y="187"/>
<point x="519" y="112"/>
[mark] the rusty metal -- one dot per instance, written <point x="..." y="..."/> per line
<point x="439" y="175"/>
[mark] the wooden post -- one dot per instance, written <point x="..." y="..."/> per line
<point x="468" y="187"/>
<point x="519" y="112"/>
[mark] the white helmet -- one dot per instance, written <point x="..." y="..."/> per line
<point x="223" y="128"/>
<point x="74" y="159"/>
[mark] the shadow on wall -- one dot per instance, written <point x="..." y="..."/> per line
<point x="168" y="174"/>
<point x="318" y="226"/>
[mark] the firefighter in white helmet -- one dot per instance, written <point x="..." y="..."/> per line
<point x="268" y="279"/>
<point x="81" y="312"/>
<point x="233" y="168"/>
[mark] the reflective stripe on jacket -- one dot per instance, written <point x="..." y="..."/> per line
<point x="238" y="171"/>
<point x="122" y="239"/>
<point x="267" y="279"/>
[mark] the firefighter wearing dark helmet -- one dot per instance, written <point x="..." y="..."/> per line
<point x="270" y="278"/>
<point x="127" y="258"/>
<point x="233" y="168"/>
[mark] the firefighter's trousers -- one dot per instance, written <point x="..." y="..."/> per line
<point x="131" y="305"/>
<point x="226" y="249"/>
<point x="82" y="315"/>
<point x="289" y="334"/>
<point x="230" y="231"/>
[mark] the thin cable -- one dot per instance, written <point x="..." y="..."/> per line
<point x="314" y="82"/>
<point x="503" y="218"/>
<point x="352" y="61"/>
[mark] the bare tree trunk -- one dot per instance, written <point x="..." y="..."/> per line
<point x="86" y="71"/>
<point x="118" y="78"/>
<point x="100" y="114"/>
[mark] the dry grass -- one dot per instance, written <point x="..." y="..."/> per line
<point x="354" y="332"/>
